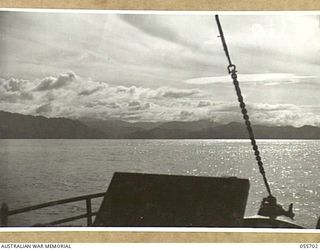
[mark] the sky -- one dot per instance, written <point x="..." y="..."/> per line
<point x="161" y="67"/>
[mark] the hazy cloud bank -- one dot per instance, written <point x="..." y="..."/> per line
<point x="70" y="95"/>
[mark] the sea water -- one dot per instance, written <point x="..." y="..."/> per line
<point x="37" y="171"/>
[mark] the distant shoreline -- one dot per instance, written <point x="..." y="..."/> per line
<point x="18" y="126"/>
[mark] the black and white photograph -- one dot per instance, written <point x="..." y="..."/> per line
<point x="159" y="119"/>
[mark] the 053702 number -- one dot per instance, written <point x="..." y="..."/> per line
<point x="309" y="245"/>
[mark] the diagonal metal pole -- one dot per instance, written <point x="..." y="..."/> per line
<point x="233" y="72"/>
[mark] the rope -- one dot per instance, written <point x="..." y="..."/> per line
<point x="233" y="72"/>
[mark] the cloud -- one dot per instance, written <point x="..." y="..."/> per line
<point x="44" y="109"/>
<point x="162" y="27"/>
<point x="185" y="115"/>
<point x="152" y="50"/>
<point x="13" y="84"/>
<point x="12" y="97"/>
<point x="14" y="90"/>
<point x="284" y="114"/>
<point x="73" y="96"/>
<point x="175" y="93"/>
<point x="82" y="97"/>
<point x="49" y="83"/>
<point x="136" y="105"/>
<point x="113" y="105"/>
<point x="89" y="91"/>
<point x="268" y="79"/>
<point x="26" y="96"/>
<point x="164" y="64"/>
<point x="204" y="104"/>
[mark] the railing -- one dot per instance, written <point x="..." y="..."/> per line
<point x="5" y="212"/>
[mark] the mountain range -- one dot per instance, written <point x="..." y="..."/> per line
<point x="18" y="126"/>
